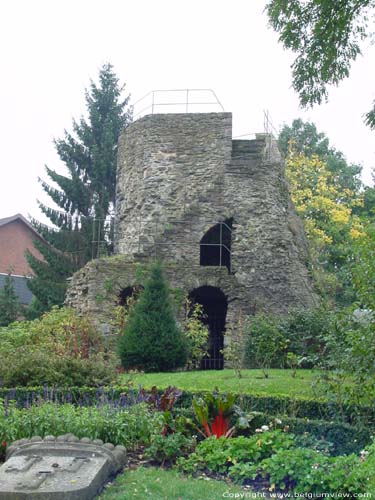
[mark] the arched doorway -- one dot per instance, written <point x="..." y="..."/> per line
<point x="215" y="246"/>
<point x="130" y="292"/>
<point x="215" y="306"/>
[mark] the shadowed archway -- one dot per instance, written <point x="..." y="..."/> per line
<point x="215" y="306"/>
<point x="130" y="292"/>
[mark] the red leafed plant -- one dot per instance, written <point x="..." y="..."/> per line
<point x="162" y="402"/>
<point x="214" y="414"/>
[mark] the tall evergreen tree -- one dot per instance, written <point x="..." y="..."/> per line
<point x="10" y="307"/>
<point x="85" y="197"/>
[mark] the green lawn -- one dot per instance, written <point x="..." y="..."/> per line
<point x="252" y="381"/>
<point x="158" y="484"/>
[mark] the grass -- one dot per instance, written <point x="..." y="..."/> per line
<point x="279" y="382"/>
<point x="159" y="484"/>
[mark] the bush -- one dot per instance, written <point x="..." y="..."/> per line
<point x="196" y="334"/>
<point x="277" y="458"/>
<point x="129" y="427"/>
<point x="302" y="470"/>
<point x="307" y="331"/>
<point x="331" y="437"/>
<point x="266" y="344"/>
<point x="152" y="341"/>
<point x="222" y="454"/>
<point x="299" y="339"/>
<point x="169" y="447"/>
<point x="60" y="348"/>
<point x="350" y="361"/>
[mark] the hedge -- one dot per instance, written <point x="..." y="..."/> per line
<point x="343" y="439"/>
<point x="297" y="407"/>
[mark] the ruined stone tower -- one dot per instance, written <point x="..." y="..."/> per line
<point x="218" y="213"/>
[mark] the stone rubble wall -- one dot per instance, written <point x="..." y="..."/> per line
<point x="178" y="175"/>
<point x="170" y="180"/>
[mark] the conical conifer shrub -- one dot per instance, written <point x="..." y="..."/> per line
<point x="152" y="341"/>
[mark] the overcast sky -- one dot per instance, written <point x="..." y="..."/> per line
<point x="51" y="49"/>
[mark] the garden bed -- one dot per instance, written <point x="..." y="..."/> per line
<point x="170" y="434"/>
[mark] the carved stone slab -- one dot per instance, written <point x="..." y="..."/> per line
<point x="58" y="468"/>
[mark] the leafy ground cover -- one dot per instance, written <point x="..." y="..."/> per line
<point x="279" y="382"/>
<point x="130" y="427"/>
<point x="159" y="484"/>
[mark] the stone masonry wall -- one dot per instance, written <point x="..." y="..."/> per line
<point x="180" y="174"/>
<point x="170" y="180"/>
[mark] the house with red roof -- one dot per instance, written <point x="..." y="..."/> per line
<point x="16" y="236"/>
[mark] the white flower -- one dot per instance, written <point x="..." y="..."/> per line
<point x="265" y="428"/>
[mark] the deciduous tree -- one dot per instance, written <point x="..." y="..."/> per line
<point x="326" y="35"/>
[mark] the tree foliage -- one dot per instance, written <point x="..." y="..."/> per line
<point x="50" y="277"/>
<point x="363" y="269"/>
<point x="85" y="196"/>
<point x="152" y="340"/>
<point x="10" y="306"/>
<point x="303" y="137"/>
<point x="329" y="197"/>
<point x="326" y="35"/>
<point x="329" y="222"/>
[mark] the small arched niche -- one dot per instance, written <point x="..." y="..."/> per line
<point x="215" y="306"/>
<point x="215" y="246"/>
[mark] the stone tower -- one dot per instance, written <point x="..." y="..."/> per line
<point x="217" y="211"/>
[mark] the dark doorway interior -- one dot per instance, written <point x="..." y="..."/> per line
<point x="127" y="293"/>
<point x="215" y="246"/>
<point x="215" y="306"/>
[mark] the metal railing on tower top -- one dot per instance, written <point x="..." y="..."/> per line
<point x="177" y="101"/>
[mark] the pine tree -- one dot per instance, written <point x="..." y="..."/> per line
<point x="152" y="340"/>
<point x="86" y="196"/>
<point x="10" y="307"/>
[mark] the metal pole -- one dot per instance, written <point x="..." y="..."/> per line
<point x="139" y="235"/>
<point x="97" y="249"/>
<point x="93" y="239"/>
<point x="153" y="102"/>
<point x="221" y="241"/>
<point x="187" y="100"/>
<point x="156" y="229"/>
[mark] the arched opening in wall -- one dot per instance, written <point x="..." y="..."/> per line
<point x="215" y="306"/>
<point x="128" y="293"/>
<point x="215" y="246"/>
